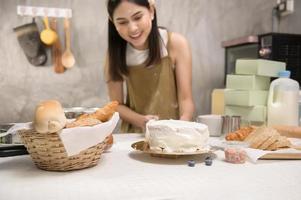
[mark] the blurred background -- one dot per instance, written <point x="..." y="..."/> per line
<point x="205" y="23"/>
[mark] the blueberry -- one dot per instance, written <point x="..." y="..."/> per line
<point x="208" y="162"/>
<point x="191" y="163"/>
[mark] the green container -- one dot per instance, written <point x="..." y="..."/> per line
<point x="259" y="67"/>
<point x="247" y="82"/>
<point x="250" y="114"/>
<point x="246" y="97"/>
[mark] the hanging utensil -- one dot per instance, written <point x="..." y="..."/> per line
<point x="29" y="40"/>
<point x="67" y="58"/>
<point x="48" y="36"/>
<point x="56" y="50"/>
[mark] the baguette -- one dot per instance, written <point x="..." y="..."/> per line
<point x="103" y="114"/>
<point x="83" y="122"/>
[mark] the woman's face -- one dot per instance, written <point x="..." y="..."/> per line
<point x="133" y="23"/>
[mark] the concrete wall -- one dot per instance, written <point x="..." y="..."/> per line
<point x="205" y="24"/>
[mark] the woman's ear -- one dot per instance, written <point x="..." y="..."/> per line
<point x="152" y="12"/>
<point x="111" y="20"/>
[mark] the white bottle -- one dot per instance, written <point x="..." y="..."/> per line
<point x="283" y="101"/>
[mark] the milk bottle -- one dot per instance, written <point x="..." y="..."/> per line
<point x="283" y="101"/>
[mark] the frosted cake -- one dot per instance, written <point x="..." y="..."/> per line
<point x="176" y="136"/>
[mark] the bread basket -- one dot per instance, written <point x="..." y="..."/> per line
<point x="48" y="152"/>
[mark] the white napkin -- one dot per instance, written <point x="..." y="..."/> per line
<point x="17" y="126"/>
<point x="255" y="154"/>
<point x="80" y="138"/>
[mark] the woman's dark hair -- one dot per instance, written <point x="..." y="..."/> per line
<point x="117" y="45"/>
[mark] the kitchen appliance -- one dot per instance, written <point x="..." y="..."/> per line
<point x="243" y="47"/>
<point x="272" y="46"/>
<point x="13" y="150"/>
<point x="7" y="146"/>
<point x="8" y="139"/>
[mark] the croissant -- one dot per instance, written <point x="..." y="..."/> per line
<point x="240" y="134"/>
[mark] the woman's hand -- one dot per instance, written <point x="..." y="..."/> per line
<point x="145" y="119"/>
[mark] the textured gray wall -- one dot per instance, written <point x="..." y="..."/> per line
<point x="204" y="22"/>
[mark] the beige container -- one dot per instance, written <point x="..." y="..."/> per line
<point x="218" y="101"/>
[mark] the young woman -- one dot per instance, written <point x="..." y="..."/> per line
<point x="154" y="65"/>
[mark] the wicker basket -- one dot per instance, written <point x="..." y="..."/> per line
<point x="48" y="152"/>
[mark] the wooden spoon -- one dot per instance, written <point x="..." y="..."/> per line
<point x="67" y="58"/>
<point x="48" y="36"/>
<point x="56" y="50"/>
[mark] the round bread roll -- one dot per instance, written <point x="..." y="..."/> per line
<point x="49" y="117"/>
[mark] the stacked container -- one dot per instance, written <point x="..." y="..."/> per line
<point x="247" y="89"/>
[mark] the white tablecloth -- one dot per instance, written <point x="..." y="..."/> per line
<point x="124" y="173"/>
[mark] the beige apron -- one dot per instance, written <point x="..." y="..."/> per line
<point x="152" y="91"/>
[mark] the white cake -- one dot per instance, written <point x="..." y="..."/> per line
<point x="175" y="136"/>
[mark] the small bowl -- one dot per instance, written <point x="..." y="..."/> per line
<point x="234" y="151"/>
<point x="74" y="112"/>
<point x="90" y="110"/>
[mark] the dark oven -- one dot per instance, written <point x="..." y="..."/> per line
<point x="272" y="46"/>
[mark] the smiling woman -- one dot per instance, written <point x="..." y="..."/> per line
<point x="126" y="19"/>
<point x="134" y="26"/>
<point x="154" y="64"/>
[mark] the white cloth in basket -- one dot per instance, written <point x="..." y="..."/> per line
<point x="80" y="138"/>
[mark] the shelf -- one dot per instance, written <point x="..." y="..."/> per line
<point x="44" y="11"/>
